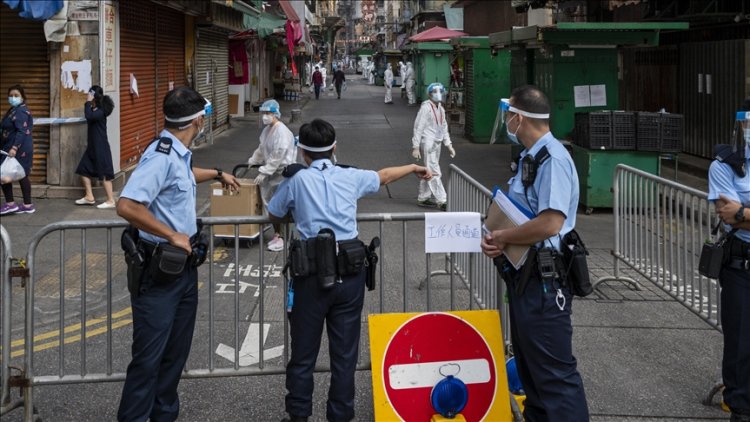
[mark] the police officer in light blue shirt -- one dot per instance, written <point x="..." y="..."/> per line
<point x="729" y="189"/>
<point x="546" y="183"/>
<point x="159" y="201"/>
<point x="324" y="196"/>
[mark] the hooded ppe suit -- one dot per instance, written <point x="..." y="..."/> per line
<point x="276" y="151"/>
<point x="409" y="78"/>
<point x="388" y="85"/>
<point x="430" y="133"/>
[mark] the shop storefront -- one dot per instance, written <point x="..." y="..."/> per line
<point x="152" y="62"/>
<point x="24" y="60"/>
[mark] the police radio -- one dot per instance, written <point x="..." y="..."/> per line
<point x="530" y="166"/>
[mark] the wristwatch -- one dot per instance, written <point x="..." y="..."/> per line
<point x="218" y="173"/>
<point x="740" y="216"/>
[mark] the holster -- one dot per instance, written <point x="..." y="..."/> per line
<point x="715" y="255"/>
<point x="135" y="259"/>
<point x="372" y="263"/>
<point x="576" y="274"/>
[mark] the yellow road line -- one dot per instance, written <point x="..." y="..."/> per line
<point x="73" y="339"/>
<point x="20" y="343"/>
<point x="72" y="328"/>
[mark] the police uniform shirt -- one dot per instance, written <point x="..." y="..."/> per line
<point x="723" y="180"/>
<point x="324" y="196"/>
<point x="543" y="194"/>
<point x="165" y="184"/>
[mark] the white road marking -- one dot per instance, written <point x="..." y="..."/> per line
<point x="250" y="350"/>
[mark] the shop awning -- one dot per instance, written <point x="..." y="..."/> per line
<point x="437" y="33"/>
<point x="289" y="10"/>
<point x="264" y="24"/>
<point x="35" y="9"/>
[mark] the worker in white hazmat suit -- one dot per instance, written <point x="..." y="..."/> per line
<point x="409" y="78"/>
<point x="431" y="133"/>
<point x="276" y="151"/>
<point x="388" y="84"/>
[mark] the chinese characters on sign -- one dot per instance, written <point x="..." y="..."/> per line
<point x="452" y="232"/>
<point x="109" y="48"/>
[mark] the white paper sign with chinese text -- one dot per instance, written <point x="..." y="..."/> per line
<point x="452" y="232"/>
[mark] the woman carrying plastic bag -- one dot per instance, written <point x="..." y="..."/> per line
<point x="17" y="143"/>
<point x="10" y="170"/>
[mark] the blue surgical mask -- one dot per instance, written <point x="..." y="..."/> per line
<point x="512" y="136"/>
<point x="15" y="101"/>
<point x="437" y="97"/>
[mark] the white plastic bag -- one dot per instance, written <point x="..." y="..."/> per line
<point x="11" y="170"/>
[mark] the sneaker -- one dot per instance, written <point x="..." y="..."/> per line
<point x="443" y="206"/>
<point x="26" y="209"/>
<point x="426" y="203"/>
<point x="106" y="205"/>
<point x="276" y="244"/>
<point x="8" y="209"/>
<point x="84" y="201"/>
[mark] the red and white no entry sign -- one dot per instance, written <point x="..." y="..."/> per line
<point x="424" y="348"/>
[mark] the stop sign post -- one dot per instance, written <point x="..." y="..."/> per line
<point x="413" y="352"/>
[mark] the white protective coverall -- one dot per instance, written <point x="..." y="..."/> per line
<point x="388" y="84"/>
<point x="409" y="77"/>
<point x="276" y="151"/>
<point x="371" y="75"/>
<point x="430" y="133"/>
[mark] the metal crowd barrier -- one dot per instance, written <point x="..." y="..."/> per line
<point x="83" y="260"/>
<point x="660" y="227"/>
<point x="467" y="195"/>
<point x="6" y="257"/>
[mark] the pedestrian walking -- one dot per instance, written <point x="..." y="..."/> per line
<point x="339" y="79"/>
<point x="409" y="78"/>
<point x="323" y="201"/>
<point x="17" y="142"/>
<point x="159" y="201"/>
<point x="729" y="189"/>
<point x="317" y="79"/>
<point x="275" y="151"/>
<point x="96" y="162"/>
<point x="388" y="82"/>
<point x="430" y="134"/>
<point x="539" y="301"/>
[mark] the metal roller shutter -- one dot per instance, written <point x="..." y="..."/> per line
<point x="137" y="113"/>
<point x="24" y="60"/>
<point x="213" y="57"/>
<point x="152" y="48"/>
<point x="170" y="56"/>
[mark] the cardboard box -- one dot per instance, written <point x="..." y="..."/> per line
<point x="245" y="202"/>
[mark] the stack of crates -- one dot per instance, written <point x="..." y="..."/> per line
<point x="660" y="132"/>
<point x="623" y="130"/>
<point x="594" y="130"/>
<point x="605" y="130"/>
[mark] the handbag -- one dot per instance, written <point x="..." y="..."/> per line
<point x="11" y="170"/>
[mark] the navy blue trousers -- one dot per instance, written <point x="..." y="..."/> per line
<point x="735" y="321"/>
<point x="341" y="310"/>
<point x="163" y="323"/>
<point x="542" y="336"/>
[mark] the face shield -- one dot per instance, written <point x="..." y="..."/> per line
<point x="503" y="107"/>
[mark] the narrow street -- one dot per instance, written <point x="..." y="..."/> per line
<point x="616" y="330"/>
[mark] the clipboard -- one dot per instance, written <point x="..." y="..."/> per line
<point x="503" y="213"/>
